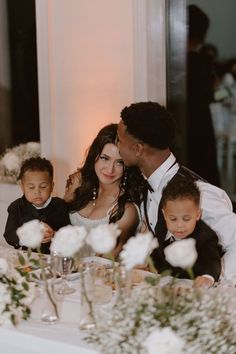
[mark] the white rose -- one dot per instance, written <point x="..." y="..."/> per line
<point x="103" y="238"/>
<point x="11" y="161"/>
<point x="181" y="253"/>
<point x="68" y="240"/>
<point x="137" y="249"/>
<point x="3" y="266"/>
<point x="31" y="234"/>
<point x="164" y="341"/>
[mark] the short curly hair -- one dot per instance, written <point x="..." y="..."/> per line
<point x="151" y="123"/>
<point x="36" y="164"/>
<point x="180" y="187"/>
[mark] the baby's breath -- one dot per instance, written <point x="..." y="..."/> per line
<point x="203" y="319"/>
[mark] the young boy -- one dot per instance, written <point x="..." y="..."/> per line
<point x="182" y="213"/>
<point x="36" y="181"/>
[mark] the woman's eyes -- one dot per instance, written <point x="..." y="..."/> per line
<point x="120" y="162"/>
<point x="106" y="158"/>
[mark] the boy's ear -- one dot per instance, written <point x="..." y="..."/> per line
<point x="163" y="212"/>
<point x="21" y="186"/>
<point x="199" y="214"/>
<point x="53" y="184"/>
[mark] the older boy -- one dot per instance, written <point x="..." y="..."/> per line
<point x="182" y="213"/>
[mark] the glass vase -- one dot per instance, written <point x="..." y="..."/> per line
<point x="123" y="282"/>
<point x="87" y="316"/>
<point x="50" y="309"/>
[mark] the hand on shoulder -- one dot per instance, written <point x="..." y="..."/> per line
<point x="74" y="181"/>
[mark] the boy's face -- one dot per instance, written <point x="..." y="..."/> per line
<point x="37" y="187"/>
<point x="181" y="216"/>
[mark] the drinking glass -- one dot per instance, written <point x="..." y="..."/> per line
<point x="62" y="266"/>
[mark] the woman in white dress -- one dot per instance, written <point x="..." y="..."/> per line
<point x="103" y="190"/>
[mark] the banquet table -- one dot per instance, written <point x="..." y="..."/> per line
<point x="36" y="337"/>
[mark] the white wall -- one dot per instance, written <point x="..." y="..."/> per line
<point x="94" y="57"/>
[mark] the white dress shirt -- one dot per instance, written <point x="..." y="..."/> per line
<point x="216" y="211"/>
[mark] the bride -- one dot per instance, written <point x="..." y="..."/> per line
<point x="103" y="190"/>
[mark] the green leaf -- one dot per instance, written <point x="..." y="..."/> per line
<point x="21" y="259"/>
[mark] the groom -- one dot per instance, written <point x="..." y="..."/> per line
<point x="146" y="134"/>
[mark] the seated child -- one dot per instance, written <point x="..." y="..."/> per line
<point x="182" y="213"/>
<point x="36" y="181"/>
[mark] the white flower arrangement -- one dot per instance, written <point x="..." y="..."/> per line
<point x="68" y="240"/>
<point x="103" y="238"/>
<point x="16" y="294"/>
<point x="11" y="160"/>
<point x="197" y="323"/>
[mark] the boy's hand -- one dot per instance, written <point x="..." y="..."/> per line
<point x="203" y="282"/>
<point x="48" y="233"/>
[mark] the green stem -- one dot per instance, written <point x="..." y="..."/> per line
<point x="151" y="265"/>
<point x="190" y="273"/>
<point x="89" y="302"/>
<point x="41" y="263"/>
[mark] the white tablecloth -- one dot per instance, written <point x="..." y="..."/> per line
<point x="35" y="337"/>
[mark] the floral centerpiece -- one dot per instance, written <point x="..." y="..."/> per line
<point x="11" y="160"/>
<point x="16" y="294"/>
<point x="161" y="318"/>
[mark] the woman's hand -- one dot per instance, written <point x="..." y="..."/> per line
<point x="73" y="182"/>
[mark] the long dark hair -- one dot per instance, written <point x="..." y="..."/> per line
<point x="129" y="184"/>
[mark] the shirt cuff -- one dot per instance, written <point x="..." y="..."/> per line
<point x="209" y="277"/>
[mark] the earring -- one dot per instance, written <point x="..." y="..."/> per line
<point x="94" y="196"/>
<point x="124" y="180"/>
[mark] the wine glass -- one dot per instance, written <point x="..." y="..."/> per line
<point x="62" y="266"/>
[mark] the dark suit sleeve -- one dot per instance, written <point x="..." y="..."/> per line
<point x="209" y="260"/>
<point x="12" y="225"/>
<point x="56" y="214"/>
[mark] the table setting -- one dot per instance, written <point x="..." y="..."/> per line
<point x="98" y="305"/>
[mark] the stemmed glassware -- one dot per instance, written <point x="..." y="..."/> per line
<point x="63" y="266"/>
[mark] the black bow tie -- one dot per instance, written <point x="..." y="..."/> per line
<point x="147" y="185"/>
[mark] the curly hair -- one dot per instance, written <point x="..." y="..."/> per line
<point x="151" y="123"/>
<point x="131" y="190"/>
<point x="36" y="164"/>
<point x="180" y="187"/>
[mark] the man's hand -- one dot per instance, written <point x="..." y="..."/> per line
<point x="74" y="181"/>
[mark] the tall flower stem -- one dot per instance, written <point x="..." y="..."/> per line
<point x="84" y="292"/>
<point x="44" y="277"/>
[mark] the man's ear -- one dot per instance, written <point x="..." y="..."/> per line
<point x="139" y="149"/>
<point x="53" y="184"/>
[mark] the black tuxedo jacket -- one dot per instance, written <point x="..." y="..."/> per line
<point x="208" y="249"/>
<point x="20" y="211"/>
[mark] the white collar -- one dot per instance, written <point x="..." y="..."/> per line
<point x="44" y="205"/>
<point x="157" y="175"/>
